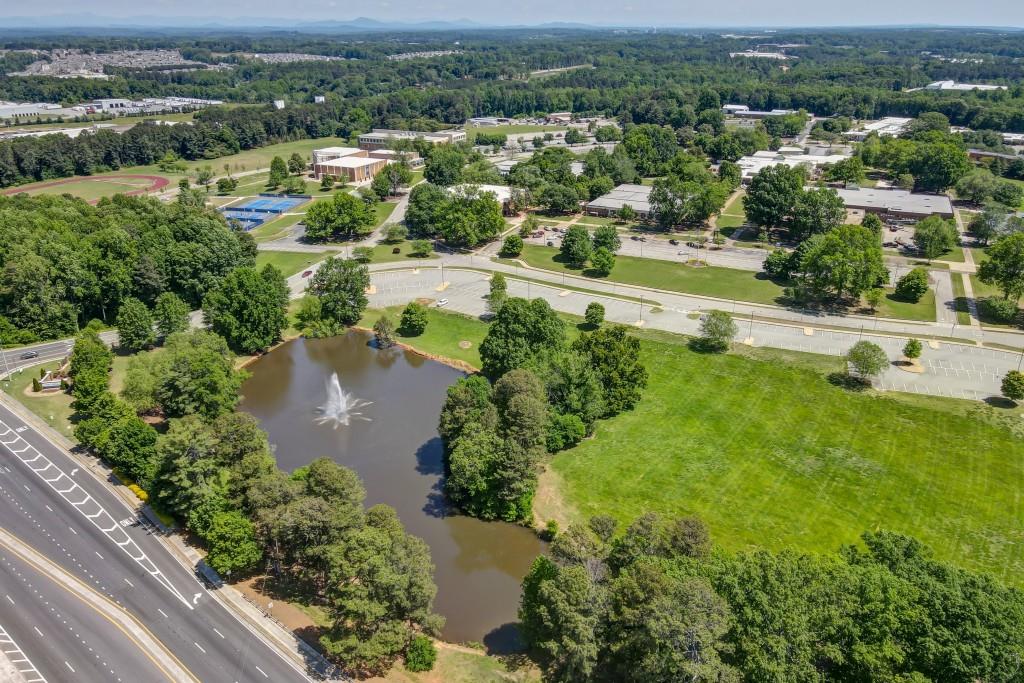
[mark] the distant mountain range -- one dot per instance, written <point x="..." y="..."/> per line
<point x="79" y="22"/>
<point x="91" y="23"/>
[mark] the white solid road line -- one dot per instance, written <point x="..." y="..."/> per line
<point x="21" y="662"/>
<point x="99" y="517"/>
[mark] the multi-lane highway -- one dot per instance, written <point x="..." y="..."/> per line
<point x="50" y="633"/>
<point x="67" y="514"/>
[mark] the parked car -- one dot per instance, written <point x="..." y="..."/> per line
<point x="634" y="238"/>
<point x="673" y="242"/>
<point x="442" y="303"/>
<point x="307" y="273"/>
<point x="550" y="243"/>
<point x="29" y="355"/>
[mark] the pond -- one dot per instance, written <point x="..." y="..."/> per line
<point x="390" y="439"/>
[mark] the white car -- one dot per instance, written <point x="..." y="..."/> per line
<point x="442" y="302"/>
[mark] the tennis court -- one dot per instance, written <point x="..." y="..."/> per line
<point x="254" y="212"/>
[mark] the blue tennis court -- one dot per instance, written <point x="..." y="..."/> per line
<point x="254" y="212"/>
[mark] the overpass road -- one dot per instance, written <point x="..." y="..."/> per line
<point x="73" y="518"/>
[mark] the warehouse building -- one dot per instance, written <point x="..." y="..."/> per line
<point x="896" y="204"/>
<point x="384" y="138"/>
<point x="635" y="196"/>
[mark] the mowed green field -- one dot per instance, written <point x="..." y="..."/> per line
<point x="290" y="262"/>
<point x="772" y="455"/>
<point x="725" y="283"/>
<point x="527" y="130"/>
<point x="249" y="160"/>
<point x="91" y="189"/>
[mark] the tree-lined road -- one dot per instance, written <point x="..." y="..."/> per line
<point x="77" y="522"/>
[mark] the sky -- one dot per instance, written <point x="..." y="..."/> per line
<point x="749" y="13"/>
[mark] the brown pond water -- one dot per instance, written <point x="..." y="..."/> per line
<point x="398" y="455"/>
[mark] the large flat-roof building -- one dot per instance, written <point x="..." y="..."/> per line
<point x="889" y="126"/>
<point x="354" y="165"/>
<point x="384" y="138"/>
<point x="635" y="196"/>
<point x="896" y="203"/>
<point x="961" y="87"/>
<point x="788" y="156"/>
<point x="742" y="111"/>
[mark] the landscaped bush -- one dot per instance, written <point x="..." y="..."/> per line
<point x="421" y="655"/>
<point x="999" y="309"/>
<point x="912" y="286"/>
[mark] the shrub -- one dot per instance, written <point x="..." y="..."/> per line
<point x="414" y="319"/>
<point x="867" y="359"/>
<point x="363" y="254"/>
<point x="1013" y="385"/>
<point x="912" y="286"/>
<point x="421" y="248"/>
<point x="564" y="431"/>
<point x="139" y="493"/>
<point x="912" y="349"/>
<point x="999" y="309"/>
<point x="421" y="655"/>
<point x="36" y="385"/>
<point x="778" y="264"/>
<point x="512" y="246"/>
<point x="550" y="530"/>
<point x="594" y="315"/>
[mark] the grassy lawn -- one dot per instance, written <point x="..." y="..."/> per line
<point x="289" y="262"/>
<point x="275" y="228"/>
<point x="762" y="446"/>
<point x="460" y="666"/>
<point x="891" y="307"/>
<point x="725" y="283"/>
<point x="954" y="255"/>
<point x="382" y="210"/>
<point x="443" y="333"/>
<point x="243" y="161"/>
<point x="963" y="313"/>
<point x="53" y="408"/>
<point x="772" y="454"/>
<point x="732" y="216"/>
<point x="384" y="253"/>
<point x="523" y="128"/>
<point x="90" y="190"/>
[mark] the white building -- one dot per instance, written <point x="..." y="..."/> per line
<point x="278" y="104"/>
<point x="962" y="87"/>
<point x="889" y="126"/>
<point x="319" y="99"/>
<point x="635" y="196"/>
<point x="761" y="55"/>
<point x="382" y="138"/>
<point x="793" y="157"/>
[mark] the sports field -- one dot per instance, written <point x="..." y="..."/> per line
<point x="92" y="188"/>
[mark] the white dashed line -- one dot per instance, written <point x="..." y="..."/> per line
<point x="102" y="519"/>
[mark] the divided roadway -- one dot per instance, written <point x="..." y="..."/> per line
<point x="76" y="521"/>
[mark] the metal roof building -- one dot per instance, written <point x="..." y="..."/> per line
<point x="635" y="196"/>
<point x="896" y="202"/>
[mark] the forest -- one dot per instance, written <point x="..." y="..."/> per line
<point x="662" y="79"/>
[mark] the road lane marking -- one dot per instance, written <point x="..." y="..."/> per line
<point x="162" y="612"/>
<point x="262" y="671"/>
<point x="218" y="633"/>
<point x="24" y="665"/>
<point x="129" y="583"/>
<point x="69" y="666"/>
<point x="199" y="646"/>
<point x="102" y="519"/>
<point x="38" y="631"/>
<point x="9" y="599"/>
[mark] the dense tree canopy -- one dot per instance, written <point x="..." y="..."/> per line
<point x="64" y="262"/>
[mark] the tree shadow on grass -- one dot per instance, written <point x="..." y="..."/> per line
<point x="702" y="345"/>
<point x="1001" y="402"/>
<point x="848" y="382"/>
